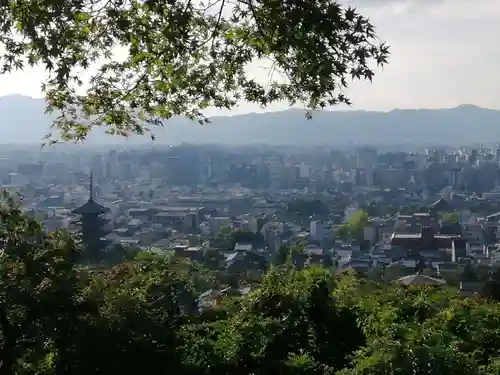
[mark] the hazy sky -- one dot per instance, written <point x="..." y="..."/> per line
<point x="444" y="53"/>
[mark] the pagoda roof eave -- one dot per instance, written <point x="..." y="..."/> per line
<point x="91" y="208"/>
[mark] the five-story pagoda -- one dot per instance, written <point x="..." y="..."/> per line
<point x="92" y="225"/>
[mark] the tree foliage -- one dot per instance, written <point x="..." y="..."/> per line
<point x="343" y="232"/>
<point x="291" y="322"/>
<point x="150" y="60"/>
<point x="354" y="227"/>
<point x="491" y="288"/>
<point x="233" y="236"/>
<point x="449" y="218"/>
<point x="142" y="316"/>
<point x="39" y="304"/>
<point x="286" y="252"/>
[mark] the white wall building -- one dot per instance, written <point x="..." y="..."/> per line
<point x="317" y="230"/>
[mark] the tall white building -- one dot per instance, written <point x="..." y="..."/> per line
<point x="317" y="230"/>
<point x="304" y="170"/>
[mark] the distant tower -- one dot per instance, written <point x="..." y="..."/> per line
<point x="473" y="157"/>
<point x="92" y="225"/>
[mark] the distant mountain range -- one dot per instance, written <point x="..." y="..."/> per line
<point x="22" y="119"/>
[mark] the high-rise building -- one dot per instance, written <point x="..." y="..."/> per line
<point x="92" y="225"/>
<point x="473" y="157"/>
<point x="366" y="157"/>
<point x="317" y="229"/>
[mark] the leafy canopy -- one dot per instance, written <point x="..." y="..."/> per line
<point x="160" y="58"/>
<point x="354" y="227"/>
<point x="450" y="217"/>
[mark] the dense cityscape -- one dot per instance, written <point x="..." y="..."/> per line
<point x="431" y="212"/>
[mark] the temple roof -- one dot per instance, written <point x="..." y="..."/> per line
<point x="91" y="207"/>
<point x="441" y="204"/>
<point x="418" y="279"/>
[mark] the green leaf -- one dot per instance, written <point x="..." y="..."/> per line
<point x="199" y="56"/>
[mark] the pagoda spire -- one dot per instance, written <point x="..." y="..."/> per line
<point x="92" y="224"/>
<point x="91" y="186"/>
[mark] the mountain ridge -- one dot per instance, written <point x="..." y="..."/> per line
<point x="23" y="121"/>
